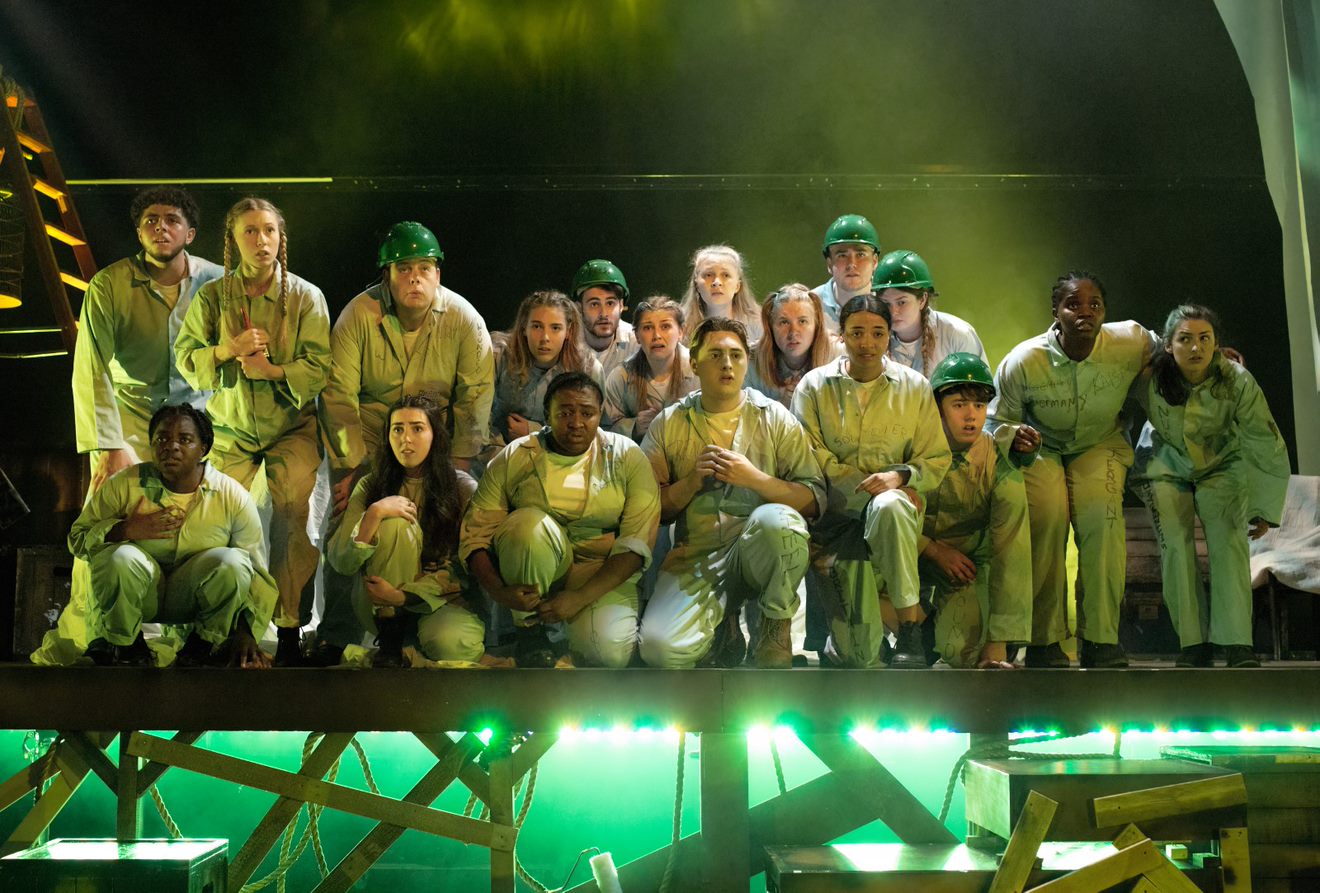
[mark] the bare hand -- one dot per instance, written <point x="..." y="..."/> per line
<point x="880" y="482"/>
<point x="643" y="422"/>
<point x="258" y="367"/>
<point x="395" y="507"/>
<point x="247" y="342"/>
<point x="1259" y="527"/>
<point x="246" y="654"/>
<point x="110" y="462"/>
<point x="144" y="524"/>
<point x="563" y="607"/>
<point x="1027" y="440"/>
<point x="518" y="596"/>
<point x="1233" y="355"/>
<point x="340" y="493"/>
<point x="952" y="563"/>
<point x="382" y="594"/>
<point x="729" y="467"/>
<point x="518" y="426"/>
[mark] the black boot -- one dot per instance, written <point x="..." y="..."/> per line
<point x="138" y="654"/>
<point x="532" y="648"/>
<point x="288" y="646"/>
<point x="196" y="652"/>
<point x="389" y="637"/>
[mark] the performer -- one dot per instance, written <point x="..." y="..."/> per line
<point x="975" y="546"/>
<point x="260" y="338"/>
<point x="560" y="528"/>
<point x="406" y="334"/>
<point x="546" y="341"/>
<point x="602" y="292"/>
<point x="399" y="539"/>
<point x="852" y="250"/>
<point x="175" y="541"/>
<point x="1068" y="386"/>
<point x="922" y="336"/>
<point x="1210" y="451"/>
<point x="799" y="340"/>
<point x="738" y="478"/>
<point x="658" y="374"/>
<point x="718" y="287"/>
<point x="878" y="438"/>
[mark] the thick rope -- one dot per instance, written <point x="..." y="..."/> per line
<point x="165" y="816"/>
<point x="667" y="880"/>
<point x="1006" y="750"/>
<point x="779" y="766"/>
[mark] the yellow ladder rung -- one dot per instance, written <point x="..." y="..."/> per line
<point x="47" y="190"/>
<point x="33" y="145"/>
<point x="70" y="279"/>
<point x="67" y="238"/>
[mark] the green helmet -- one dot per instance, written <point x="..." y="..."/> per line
<point x="901" y="269"/>
<point x="850" y="228"/>
<point x="961" y="368"/>
<point x="598" y="272"/>
<point x="408" y="240"/>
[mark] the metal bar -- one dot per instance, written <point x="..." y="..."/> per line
<point x="283" y="811"/>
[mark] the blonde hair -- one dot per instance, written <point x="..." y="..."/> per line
<point x="637" y="368"/>
<point x="765" y="355"/>
<point x="243" y="206"/>
<point x="572" y="356"/>
<point x="743" y="308"/>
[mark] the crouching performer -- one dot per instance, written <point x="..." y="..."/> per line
<point x="738" y="476"/>
<point x="877" y="435"/>
<point x="175" y="541"/>
<point x="975" y="545"/>
<point x="399" y="536"/>
<point x="561" y="527"/>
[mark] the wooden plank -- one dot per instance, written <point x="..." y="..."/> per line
<point x="351" y="868"/>
<point x="283" y="811"/>
<point x="902" y="813"/>
<point x="1169" y="800"/>
<point x="95" y="758"/>
<point x="24" y="782"/>
<point x="1167" y="878"/>
<point x="725" y="828"/>
<point x="472" y="776"/>
<point x="128" y="807"/>
<point x="1144" y="884"/>
<point x="529" y="753"/>
<point x="332" y="796"/>
<point x="151" y="772"/>
<point x="63" y="786"/>
<point x="1270" y="825"/>
<point x="502" y="875"/>
<point x="1282" y="860"/>
<point x="1029" y="833"/>
<point x="1235" y="860"/>
<point x="1284" y="790"/>
<point x="1133" y="861"/>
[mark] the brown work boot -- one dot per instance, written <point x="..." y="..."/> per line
<point x="774" y="645"/>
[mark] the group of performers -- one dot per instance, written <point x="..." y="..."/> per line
<point x="845" y="445"/>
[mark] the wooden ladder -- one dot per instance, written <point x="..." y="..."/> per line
<point x="33" y="171"/>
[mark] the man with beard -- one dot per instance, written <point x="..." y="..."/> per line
<point x="602" y="291"/>
<point x="123" y="364"/>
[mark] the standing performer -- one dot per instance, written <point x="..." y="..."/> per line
<point x="560" y="528"/>
<point x="975" y="546"/>
<point x="878" y="438"/>
<point x="657" y="375"/>
<point x="718" y="287"/>
<point x="175" y="541"/>
<point x="799" y="339"/>
<point x="602" y="292"/>
<point x="1210" y="451"/>
<point x="407" y="334"/>
<point x="851" y="249"/>
<point x="546" y="341"/>
<point x="922" y="336"/>
<point x="738" y="478"/>
<point x="1068" y="386"/>
<point x="399" y="538"/>
<point x="260" y="338"/>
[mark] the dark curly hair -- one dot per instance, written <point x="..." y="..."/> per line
<point x="184" y="411"/>
<point x="165" y="195"/>
<point x="440" y="512"/>
<point x="1061" y="284"/>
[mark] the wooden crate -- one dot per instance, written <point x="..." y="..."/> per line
<point x="105" y="866"/>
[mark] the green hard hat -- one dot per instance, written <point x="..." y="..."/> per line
<point x="598" y="272"/>
<point x="961" y="368"/>
<point x="901" y="269"/>
<point x="407" y="240"/>
<point x="850" y="228"/>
